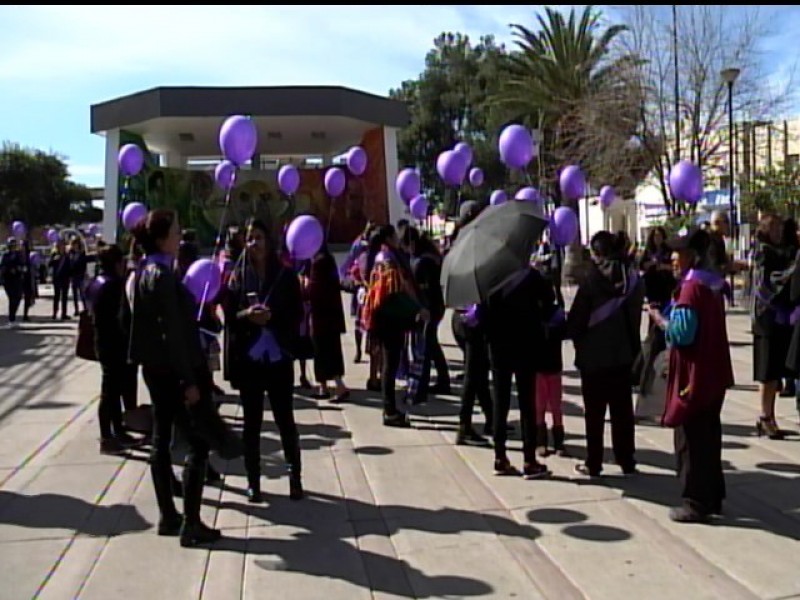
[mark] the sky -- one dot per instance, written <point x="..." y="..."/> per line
<point x="56" y="61"/>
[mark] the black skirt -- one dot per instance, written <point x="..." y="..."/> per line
<point x="769" y="355"/>
<point x="328" y="357"/>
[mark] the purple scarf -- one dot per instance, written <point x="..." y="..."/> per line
<point x="605" y="310"/>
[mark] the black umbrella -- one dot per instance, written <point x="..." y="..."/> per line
<point x="496" y="245"/>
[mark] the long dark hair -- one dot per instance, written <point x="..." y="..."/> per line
<point x="376" y="242"/>
<point x="651" y="246"/>
<point x="154" y="229"/>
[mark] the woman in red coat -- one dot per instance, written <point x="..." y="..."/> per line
<point x="700" y="373"/>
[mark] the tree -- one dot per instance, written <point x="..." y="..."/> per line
<point x="774" y="190"/>
<point x="571" y="80"/>
<point x="707" y="39"/>
<point x="448" y="103"/>
<point x="35" y="187"/>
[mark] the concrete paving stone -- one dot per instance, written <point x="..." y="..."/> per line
<point x="302" y="564"/>
<point x="144" y="566"/>
<point x="466" y="571"/>
<point x="18" y="443"/>
<point x="74" y="568"/>
<point x="26" y="565"/>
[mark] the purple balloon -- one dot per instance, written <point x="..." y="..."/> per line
<point x="686" y="182"/>
<point x="225" y="175"/>
<point x="18" y="229"/>
<point x="476" y="177"/>
<point x="563" y="226"/>
<point x="357" y="160"/>
<point x="498" y="197"/>
<point x="572" y="182"/>
<point x="92" y="230"/>
<point x="607" y="196"/>
<point x="464" y="149"/>
<point x="419" y="207"/>
<point x="408" y="184"/>
<point x="528" y="194"/>
<point x="304" y="237"/>
<point x="238" y="139"/>
<point x="335" y="182"/>
<point x="452" y="167"/>
<point x="35" y="259"/>
<point x="516" y="146"/>
<point x="288" y="179"/>
<point x="133" y="214"/>
<point x="53" y="236"/>
<point x="130" y="160"/>
<point x="204" y="280"/>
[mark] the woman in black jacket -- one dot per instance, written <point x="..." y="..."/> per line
<point x="61" y="269"/>
<point x="119" y="378"/>
<point x="263" y="310"/>
<point x="166" y="342"/>
<point x="426" y="266"/>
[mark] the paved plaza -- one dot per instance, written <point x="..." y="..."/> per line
<point x="389" y="513"/>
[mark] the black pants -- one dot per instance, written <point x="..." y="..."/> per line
<point x="14" y="293"/>
<point x="277" y="381"/>
<point x="60" y="298"/>
<point x="77" y="293"/>
<point x="698" y="448"/>
<point x="434" y="357"/>
<point x="506" y="364"/>
<point x="169" y="410"/>
<point x="119" y="382"/>
<point x="610" y="388"/>
<point x="476" y="376"/>
<point x="393" y="344"/>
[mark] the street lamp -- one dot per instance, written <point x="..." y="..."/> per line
<point x="729" y="76"/>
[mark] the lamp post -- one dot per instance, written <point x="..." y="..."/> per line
<point x="729" y="76"/>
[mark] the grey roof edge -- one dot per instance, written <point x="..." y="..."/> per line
<point x="284" y="101"/>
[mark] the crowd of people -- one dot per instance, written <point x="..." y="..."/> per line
<point x="275" y="311"/>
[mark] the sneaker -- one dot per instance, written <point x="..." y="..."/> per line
<point x="535" y="471"/>
<point x="469" y="436"/>
<point x="685" y="514"/>
<point x="504" y="468"/>
<point x="582" y="469"/>
<point x="399" y="420"/>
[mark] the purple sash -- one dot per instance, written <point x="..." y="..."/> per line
<point x="710" y="279"/>
<point x="604" y="311"/>
<point x="470" y="316"/>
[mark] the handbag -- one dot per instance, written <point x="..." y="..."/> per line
<point x="84" y="342"/>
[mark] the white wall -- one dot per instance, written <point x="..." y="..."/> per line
<point x="621" y="216"/>
<point x="111" y="203"/>
<point x="397" y="208"/>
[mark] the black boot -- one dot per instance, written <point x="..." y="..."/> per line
<point x="194" y="532"/>
<point x="541" y="440"/>
<point x="162" y="483"/>
<point x="558" y="441"/>
<point x="254" y="495"/>
<point x="295" y="487"/>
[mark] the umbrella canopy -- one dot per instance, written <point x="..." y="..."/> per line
<point x="488" y="251"/>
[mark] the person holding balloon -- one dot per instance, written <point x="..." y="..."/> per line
<point x="263" y="310"/>
<point x="165" y="341"/>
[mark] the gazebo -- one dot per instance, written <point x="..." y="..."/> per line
<point x="303" y="125"/>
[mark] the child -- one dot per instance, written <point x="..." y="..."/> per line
<point x="548" y="387"/>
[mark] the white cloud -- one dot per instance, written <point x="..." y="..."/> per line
<point x="233" y="44"/>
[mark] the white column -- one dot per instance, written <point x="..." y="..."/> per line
<point x="111" y="192"/>
<point x="397" y="209"/>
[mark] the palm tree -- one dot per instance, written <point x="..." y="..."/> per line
<point x="567" y="80"/>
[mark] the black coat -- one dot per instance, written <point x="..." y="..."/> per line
<point x="280" y="291"/>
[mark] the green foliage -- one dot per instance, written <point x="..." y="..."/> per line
<point x="775" y="190"/>
<point x="35" y="188"/>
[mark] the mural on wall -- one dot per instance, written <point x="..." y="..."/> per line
<point x="200" y="204"/>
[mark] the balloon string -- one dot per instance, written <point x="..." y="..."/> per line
<point x="217" y="244"/>
<point x="330" y="219"/>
